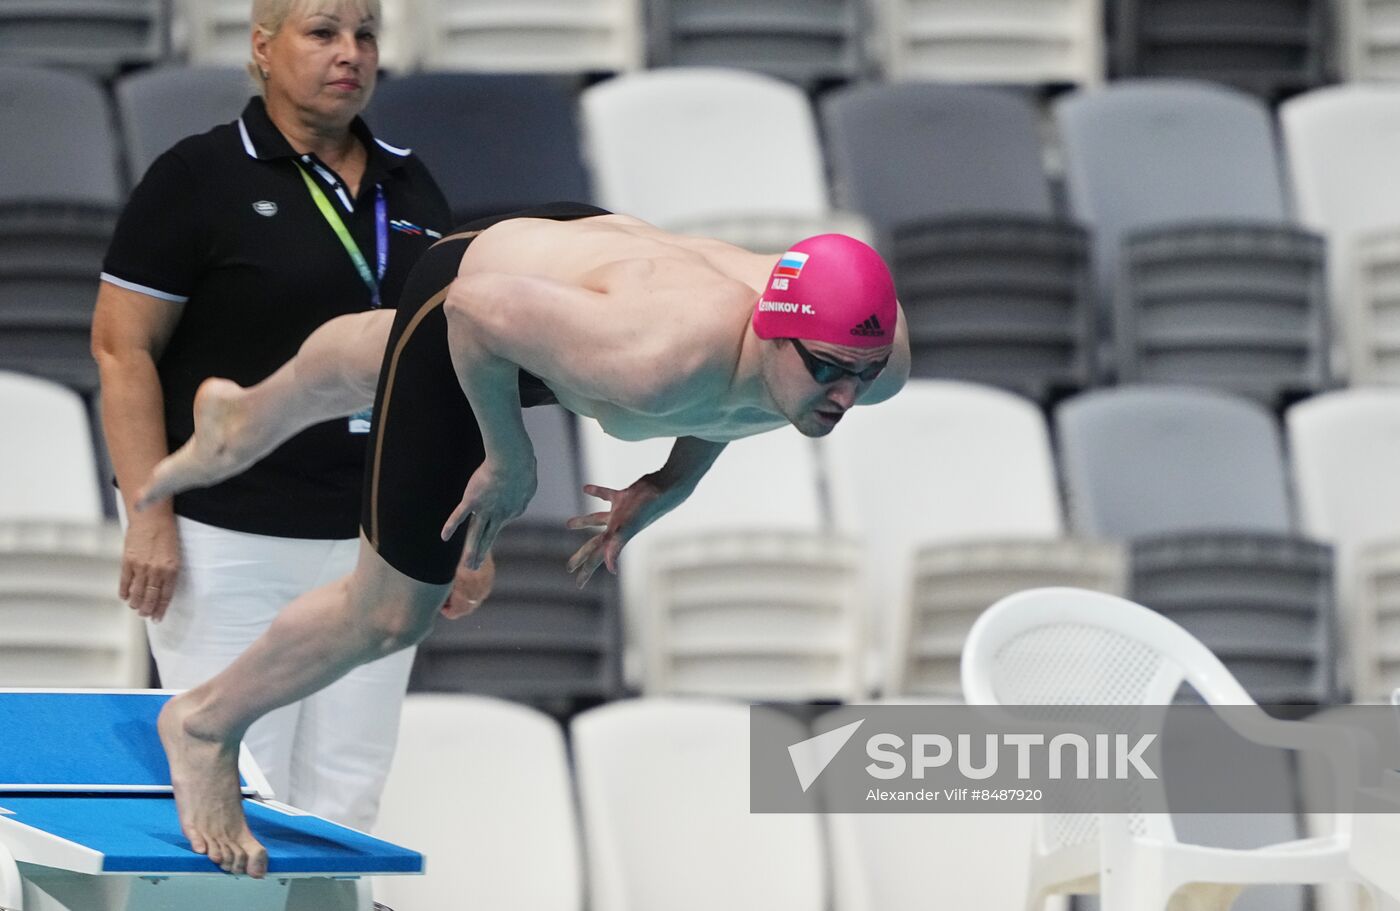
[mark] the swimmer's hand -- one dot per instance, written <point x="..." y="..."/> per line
<point x="469" y="588"/>
<point x="496" y="494"/>
<point x="630" y="511"/>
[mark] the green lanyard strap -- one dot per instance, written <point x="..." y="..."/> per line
<point x="338" y="226"/>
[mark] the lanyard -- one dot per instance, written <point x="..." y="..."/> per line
<point x="381" y="234"/>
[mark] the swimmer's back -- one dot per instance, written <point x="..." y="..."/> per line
<point x="577" y="252"/>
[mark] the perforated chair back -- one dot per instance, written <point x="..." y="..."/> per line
<point x="48" y="469"/>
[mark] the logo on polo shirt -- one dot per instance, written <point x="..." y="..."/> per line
<point x="265" y="207"/>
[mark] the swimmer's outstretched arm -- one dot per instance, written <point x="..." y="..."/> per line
<point x="648" y="498"/>
<point x="589" y="342"/>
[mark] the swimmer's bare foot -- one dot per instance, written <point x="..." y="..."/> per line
<point x="220" y="447"/>
<point x="204" y="772"/>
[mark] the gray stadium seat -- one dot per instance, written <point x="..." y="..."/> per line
<point x="1146" y="460"/>
<point x="159" y="107"/>
<point x="1156" y="154"/>
<point x="1227" y="589"/>
<point x="1267" y="47"/>
<point x="494" y="143"/>
<point x="59" y="194"/>
<point x="1240" y="307"/>
<point x="995" y="285"/>
<point x="94" y="36"/>
<point x="807" y="43"/>
<point x="538" y="638"/>
<point x="921" y="150"/>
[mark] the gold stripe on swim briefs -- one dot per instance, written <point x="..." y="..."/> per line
<point x="382" y="418"/>
<point x="468" y="235"/>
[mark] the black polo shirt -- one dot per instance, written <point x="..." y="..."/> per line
<point x="224" y="223"/>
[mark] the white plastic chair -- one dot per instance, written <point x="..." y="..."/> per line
<point x="481" y="787"/>
<point x="1345" y="446"/>
<point x="1374" y="320"/>
<point x="48" y="467"/>
<point x="664" y="793"/>
<point x="1367" y="32"/>
<point x="218" y="32"/>
<point x="679" y="144"/>
<point x="1342" y="143"/>
<point x="553" y="36"/>
<point x="1061" y="646"/>
<point x="61" y="622"/>
<point x="728" y="566"/>
<point x="1031" y="43"/>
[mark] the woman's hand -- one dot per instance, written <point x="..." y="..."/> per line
<point x="630" y="511"/>
<point x="496" y="494"/>
<point x="150" y="562"/>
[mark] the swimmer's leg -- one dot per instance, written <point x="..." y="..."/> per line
<point x="334" y="374"/>
<point x="315" y="640"/>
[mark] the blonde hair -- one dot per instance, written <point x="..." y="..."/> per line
<point x="269" y="16"/>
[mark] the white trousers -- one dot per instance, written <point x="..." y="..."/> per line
<point x="327" y="754"/>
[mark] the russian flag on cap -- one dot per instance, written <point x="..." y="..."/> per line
<point x="790" y="266"/>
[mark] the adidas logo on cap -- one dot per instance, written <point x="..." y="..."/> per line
<point x="871" y="327"/>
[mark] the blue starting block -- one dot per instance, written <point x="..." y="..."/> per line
<point x="88" y="820"/>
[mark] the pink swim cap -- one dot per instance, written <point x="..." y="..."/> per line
<point x="829" y="288"/>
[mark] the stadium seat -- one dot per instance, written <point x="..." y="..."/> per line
<point x="481" y="787"/>
<point x="218" y="33"/>
<point x="99" y="37"/>
<point x="1369" y="52"/>
<point x="47" y="466"/>
<point x="159" y="107"/>
<point x="740" y="590"/>
<point x="1184" y="160"/>
<point x="522" y="36"/>
<point x="1041" y="42"/>
<point x="1342" y="143"/>
<point x="1140" y="461"/>
<point x="495" y="143"/>
<point x="1057" y="647"/>
<point x="538" y="638"/>
<point x="1344" y="450"/>
<point x="994" y="283"/>
<point x="61" y="622"/>
<point x="664" y="794"/>
<point x="59" y="194"/>
<point x="1267" y="47"/>
<point x="1240" y="307"/>
<point x="1194" y="481"/>
<point x="810" y="44"/>
<point x="680" y="144"/>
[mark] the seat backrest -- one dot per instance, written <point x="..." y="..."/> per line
<point x="559" y="495"/>
<point x="1367" y="51"/>
<point x="664" y="790"/>
<point x="1342" y="144"/>
<point x="685" y="143"/>
<point x="806" y="43"/>
<point x="48" y="469"/>
<point x="1153" y="152"/>
<point x="979" y="42"/>
<point x="56" y="139"/>
<point x="1345" y="447"/>
<point x="530" y="36"/>
<point x="93" y="37"/>
<point x="919" y="150"/>
<point x="482" y="787"/>
<point x="161" y="106"/>
<point x="494" y="143"/>
<point x="217" y="32"/>
<point x="1145" y="460"/>
<point x="941" y="462"/>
